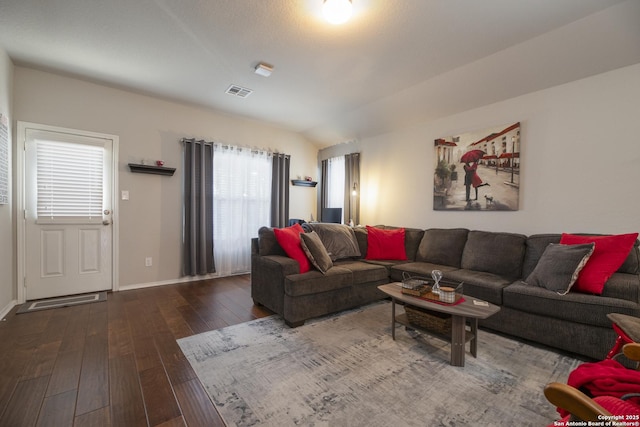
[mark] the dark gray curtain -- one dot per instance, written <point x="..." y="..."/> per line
<point x="351" y="183"/>
<point x="280" y="190"/>
<point x="197" y="250"/>
<point x="324" y="188"/>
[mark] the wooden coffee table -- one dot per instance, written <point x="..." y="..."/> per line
<point x="470" y="311"/>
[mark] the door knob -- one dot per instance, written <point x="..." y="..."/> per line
<point x="107" y="211"/>
<point x="106" y="222"/>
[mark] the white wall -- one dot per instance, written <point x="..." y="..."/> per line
<point x="580" y="162"/>
<point x="150" y="128"/>
<point x="580" y="157"/>
<point x="8" y="292"/>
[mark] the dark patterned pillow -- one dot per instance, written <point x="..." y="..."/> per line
<point x="559" y="266"/>
<point x="315" y="251"/>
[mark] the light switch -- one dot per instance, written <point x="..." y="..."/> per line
<point x="125" y="194"/>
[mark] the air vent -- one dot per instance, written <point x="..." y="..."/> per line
<point x="239" y="91"/>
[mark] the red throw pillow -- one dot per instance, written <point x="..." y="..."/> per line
<point x="608" y="255"/>
<point x="289" y="239"/>
<point x="385" y="244"/>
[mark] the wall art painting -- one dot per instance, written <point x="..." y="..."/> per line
<point x="478" y="171"/>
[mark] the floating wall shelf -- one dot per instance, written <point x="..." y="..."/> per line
<point x="303" y="183"/>
<point x="156" y="170"/>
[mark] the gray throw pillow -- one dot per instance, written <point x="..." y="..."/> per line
<point x="339" y="239"/>
<point x="559" y="266"/>
<point x="315" y="251"/>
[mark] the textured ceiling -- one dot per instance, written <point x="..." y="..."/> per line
<point x="395" y="62"/>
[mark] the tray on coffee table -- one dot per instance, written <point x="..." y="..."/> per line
<point x="450" y="292"/>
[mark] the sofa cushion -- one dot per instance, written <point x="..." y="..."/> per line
<point x="493" y="252"/>
<point x="315" y="251"/>
<point x="534" y="248"/>
<point x="385" y="244"/>
<point x="559" y="266"/>
<point x="623" y="286"/>
<point x="313" y="282"/>
<point x="632" y="264"/>
<point x="574" y="306"/>
<point x="412" y="269"/>
<point x="609" y="255"/>
<point x="364" y="272"/>
<point x="361" y="238"/>
<point x="268" y="244"/>
<point x="442" y="246"/>
<point x="289" y="239"/>
<point x="385" y="262"/>
<point x="479" y="284"/>
<point x="339" y="239"/>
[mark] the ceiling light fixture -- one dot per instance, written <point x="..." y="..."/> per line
<point x="263" y="69"/>
<point x="337" y="11"/>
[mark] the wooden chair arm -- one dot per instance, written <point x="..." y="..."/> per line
<point x="632" y="351"/>
<point x="574" y="401"/>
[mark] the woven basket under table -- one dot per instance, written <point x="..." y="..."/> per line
<point x="431" y="320"/>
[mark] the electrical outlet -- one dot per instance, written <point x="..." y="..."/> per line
<point x="148" y="261"/>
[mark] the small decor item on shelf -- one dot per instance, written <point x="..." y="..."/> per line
<point x="159" y="163"/>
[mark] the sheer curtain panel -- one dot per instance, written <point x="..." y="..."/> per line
<point x="242" y="204"/>
<point x="339" y="176"/>
<point x="333" y="182"/>
<point x="197" y="250"/>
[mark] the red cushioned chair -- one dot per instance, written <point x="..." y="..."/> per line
<point x="612" y="389"/>
<point x="628" y="330"/>
<point x="583" y="408"/>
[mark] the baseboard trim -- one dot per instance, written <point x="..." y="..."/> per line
<point x="185" y="279"/>
<point x="5" y="310"/>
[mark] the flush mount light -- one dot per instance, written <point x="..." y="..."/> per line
<point x="263" y="69"/>
<point x="337" y="11"/>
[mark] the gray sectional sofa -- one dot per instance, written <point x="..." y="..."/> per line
<point x="492" y="266"/>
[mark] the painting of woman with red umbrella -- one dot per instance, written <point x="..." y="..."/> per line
<point x="490" y="158"/>
<point x="471" y="177"/>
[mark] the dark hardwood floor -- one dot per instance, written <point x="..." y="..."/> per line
<point x="116" y="363"/>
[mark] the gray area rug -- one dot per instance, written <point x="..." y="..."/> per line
<point x="345" y="370"/>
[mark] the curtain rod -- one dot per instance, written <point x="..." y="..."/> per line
<point x="199" y="141"/>
<point x="241" y="147"/>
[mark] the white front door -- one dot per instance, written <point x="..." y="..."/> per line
<point x="68" y="212"/>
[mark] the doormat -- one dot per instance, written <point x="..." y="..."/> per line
<point x="46" y="304"/>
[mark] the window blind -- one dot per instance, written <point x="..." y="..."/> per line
<point x="69" y="180"/>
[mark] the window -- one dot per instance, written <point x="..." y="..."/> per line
<point x="69" y="180"/>
<point x="340" y="177"/>
<point x="335" y="183"/>
<point x="242" y="204"/>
